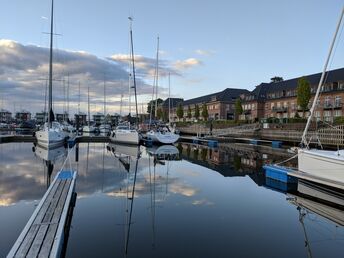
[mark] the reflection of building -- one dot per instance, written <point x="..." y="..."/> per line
<point x="41" y="117"/>
<point x="23" y="115"/>
<point x="5" y="116"/>
<point x="98" y="118"/>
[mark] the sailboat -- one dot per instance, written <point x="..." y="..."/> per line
<point x="160" y="134"/>
<point x="52" y="134"/>
<point x="124" y="133"/>
<point x="88" y="128"/>
<point x="321" y="165"/>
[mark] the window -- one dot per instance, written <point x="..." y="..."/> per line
<point x="337" y="113"/>
<point x="338" y="101"/>
<point x="341" y="86"/>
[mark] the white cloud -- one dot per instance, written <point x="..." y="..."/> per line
<point x="187" y="63"/>
<point x="203" y="52"/>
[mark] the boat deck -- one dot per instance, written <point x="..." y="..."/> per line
<point x="43" y="235"/>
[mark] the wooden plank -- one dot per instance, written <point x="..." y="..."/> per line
<point x="51" y="233"/>
<point x="25" y="241"/>
<point x="36" y="245"/>
<point x="58" y="241"/>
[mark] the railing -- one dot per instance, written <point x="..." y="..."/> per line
<point x="280" y="109"/>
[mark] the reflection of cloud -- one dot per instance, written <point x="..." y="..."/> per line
<point x="202" y="202"/>
<point x="182" y="189"/>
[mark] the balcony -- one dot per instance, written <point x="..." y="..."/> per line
<point x="337" y="105"/>
<point x="247" y="112"/>
<point x="280" y="109"/>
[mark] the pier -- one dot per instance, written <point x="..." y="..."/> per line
<point x="43" y="235"/>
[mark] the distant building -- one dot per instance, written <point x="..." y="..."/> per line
<point x="23" y="115"/>
<point x="172" y="103"/>
<point x="60" y="117"/>
<point x="98" y="118"/>
<point x="80" y="119"/>
<point x="220" y="105"/>
<point x="5" y="116"/>
<point x="41" y="117"/>
<point x="279" y="99"/>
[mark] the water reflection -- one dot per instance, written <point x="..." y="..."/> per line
<point x="146" y="202"/>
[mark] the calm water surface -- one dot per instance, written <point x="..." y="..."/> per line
<point x="206" y="203"/>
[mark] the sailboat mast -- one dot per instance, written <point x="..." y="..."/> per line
<point x="104" y="100"/>
<point x="88" y="102"/>
<point x="169" y="98"/>
<point x="157" y="79"/>
<point x="133" y="69"/>
<point x="304" y="140"/>
<point x="79" y="101"/>
<point x="50" y="100"/>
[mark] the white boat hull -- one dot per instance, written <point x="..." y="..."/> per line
<point x="163" y="138"/>
<point x="125" y="136"/>
<point x="323" y="164"/>
<point x="88" y="129"/>
<point x="50" y="138"/>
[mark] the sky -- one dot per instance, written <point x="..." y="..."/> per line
<point x="205" y="45"/>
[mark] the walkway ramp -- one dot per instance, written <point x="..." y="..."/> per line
<point x="43" y="235"/>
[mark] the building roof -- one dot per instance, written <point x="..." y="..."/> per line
<point x="228" y="94"/>
<point x="261" y="91"/>
<point x="174" y="102"/>
<point x="4" y="111"/>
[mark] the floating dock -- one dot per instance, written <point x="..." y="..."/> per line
<point x="197" y="140"/>
<point x="43" y="235"/>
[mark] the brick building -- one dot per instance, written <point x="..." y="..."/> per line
<point x="279" y="100"/>
<point x="220" y="105"/>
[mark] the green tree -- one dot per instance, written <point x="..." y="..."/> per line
<point x="276" y="79"/>
<point x="159" y="114"/>
<point x="238" y="108"/>
<point x="152" y="104"/>
<point x="180" y="111"/>
<point x="189" y="112"/>
<point x="303" y="94"/>
<point x="196" y="115"/>
<point x="205" y="112"/>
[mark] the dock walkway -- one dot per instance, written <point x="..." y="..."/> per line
<point x="43" y="235"/>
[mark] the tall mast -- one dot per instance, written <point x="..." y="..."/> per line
<point x="88" y="102"/>
<point x="157" y="79"/>
<point x="169" y="98"/>
<point x="104" y="100"/>
<point x="68" y="95"/>
<point x="304" y="140"/>
<point x="120" y="107"/>
<point x="79" y="101"/>
<point x="133" y="69"/>
<point x="50" y="100"/>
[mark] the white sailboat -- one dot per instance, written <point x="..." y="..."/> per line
<point x="104" y="127"/>
<point x="88" y="128"/>
<point x="52" y="134"/>
<point x="124" y="133"/>
<point x="160" y="134"/>
<point x="322" y="164"/>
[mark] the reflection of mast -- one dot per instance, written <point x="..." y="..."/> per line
<point x="88" y="151"/>
<point x="152" y="190"/>
<point x="302" y="214"/>
<point x="50" y="167"/>
<point x="131" y="198"/>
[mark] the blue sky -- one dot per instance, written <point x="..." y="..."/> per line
<point x="207" y="45"/>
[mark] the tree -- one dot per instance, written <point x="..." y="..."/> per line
<point x="303" y="94"/>
<point x="205" y="112"/>
<point x="152" y="103"/>
<point x="159" y="114"/>
<point x="189" y="112"/>
<point x="180" y="111"/>
<point x="196" y="115"/>
<point x="238" y="108"/>
<point x="276" y="79"/>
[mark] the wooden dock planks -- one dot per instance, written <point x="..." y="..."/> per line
<point x="43" y="234"/>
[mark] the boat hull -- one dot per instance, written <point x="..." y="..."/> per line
<point x="50" y="138"/>
<point x="88" y="129"/>
<point x="125" y="136"/>
<point x="323" y="164"/>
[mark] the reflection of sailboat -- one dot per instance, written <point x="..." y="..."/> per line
<point x="164" y="152"/>
<point x="124" y="153"/>
<point x="131" y="199"/>
<point x="88" y="128"/>
<point x="49" y="157"/>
